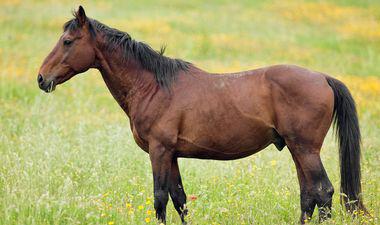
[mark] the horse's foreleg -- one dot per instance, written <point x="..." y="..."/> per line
<point x="316" y="188"/>
<point x="161" y="159"/>
<point x="177" y="192"/>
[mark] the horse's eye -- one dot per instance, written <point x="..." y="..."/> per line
<point x="67" y="42"/>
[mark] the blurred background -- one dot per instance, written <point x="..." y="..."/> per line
<point x="69" y="157"/>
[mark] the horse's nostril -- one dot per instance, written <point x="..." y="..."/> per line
<point x="40" y="78"/>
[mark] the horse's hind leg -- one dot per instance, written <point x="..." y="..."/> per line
<point x="315" y="186"/>
<point x="303" y="103"/>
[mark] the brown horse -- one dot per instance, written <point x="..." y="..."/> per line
<point x="178" y="110"/>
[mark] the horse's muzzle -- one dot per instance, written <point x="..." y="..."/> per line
<point x="47" y="86"/>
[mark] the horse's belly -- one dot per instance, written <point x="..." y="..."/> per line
<point x="233" y="142"/>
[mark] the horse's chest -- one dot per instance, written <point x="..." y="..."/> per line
<point x="141" y="142"/>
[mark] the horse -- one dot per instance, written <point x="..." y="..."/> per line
<point x="177" y="110"/>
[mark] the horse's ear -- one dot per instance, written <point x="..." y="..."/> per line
<point x="81" y="16"/>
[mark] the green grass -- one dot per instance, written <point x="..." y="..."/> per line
<point x="69" y="157"/>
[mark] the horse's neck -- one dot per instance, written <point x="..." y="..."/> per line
<point x="127" y="81"/>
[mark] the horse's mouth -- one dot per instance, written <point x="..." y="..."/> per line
<point x="50" y="87"/>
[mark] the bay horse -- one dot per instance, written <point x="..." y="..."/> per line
<point x="178" y="110"/>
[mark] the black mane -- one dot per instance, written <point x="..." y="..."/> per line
<point x="165" y="69"/>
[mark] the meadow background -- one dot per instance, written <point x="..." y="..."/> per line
<point x="69" y="157"/>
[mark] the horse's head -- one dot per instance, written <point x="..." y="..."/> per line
<point x="74" y="53"/>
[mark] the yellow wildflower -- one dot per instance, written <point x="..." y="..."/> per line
<point x="273" y="162"/>
<point x="147" y="219"/>
<point x="148" y="202"/>
<point x="111" y="223"/>
<point x="105" y="194"/>
<point x="140" y="207"/>
<point x="131" y="211"/>
<point x="149" y="212"/>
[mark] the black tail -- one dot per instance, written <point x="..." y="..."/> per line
<point x="348" y="133"/>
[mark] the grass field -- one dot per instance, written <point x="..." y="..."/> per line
<point x="69" y="157"/>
